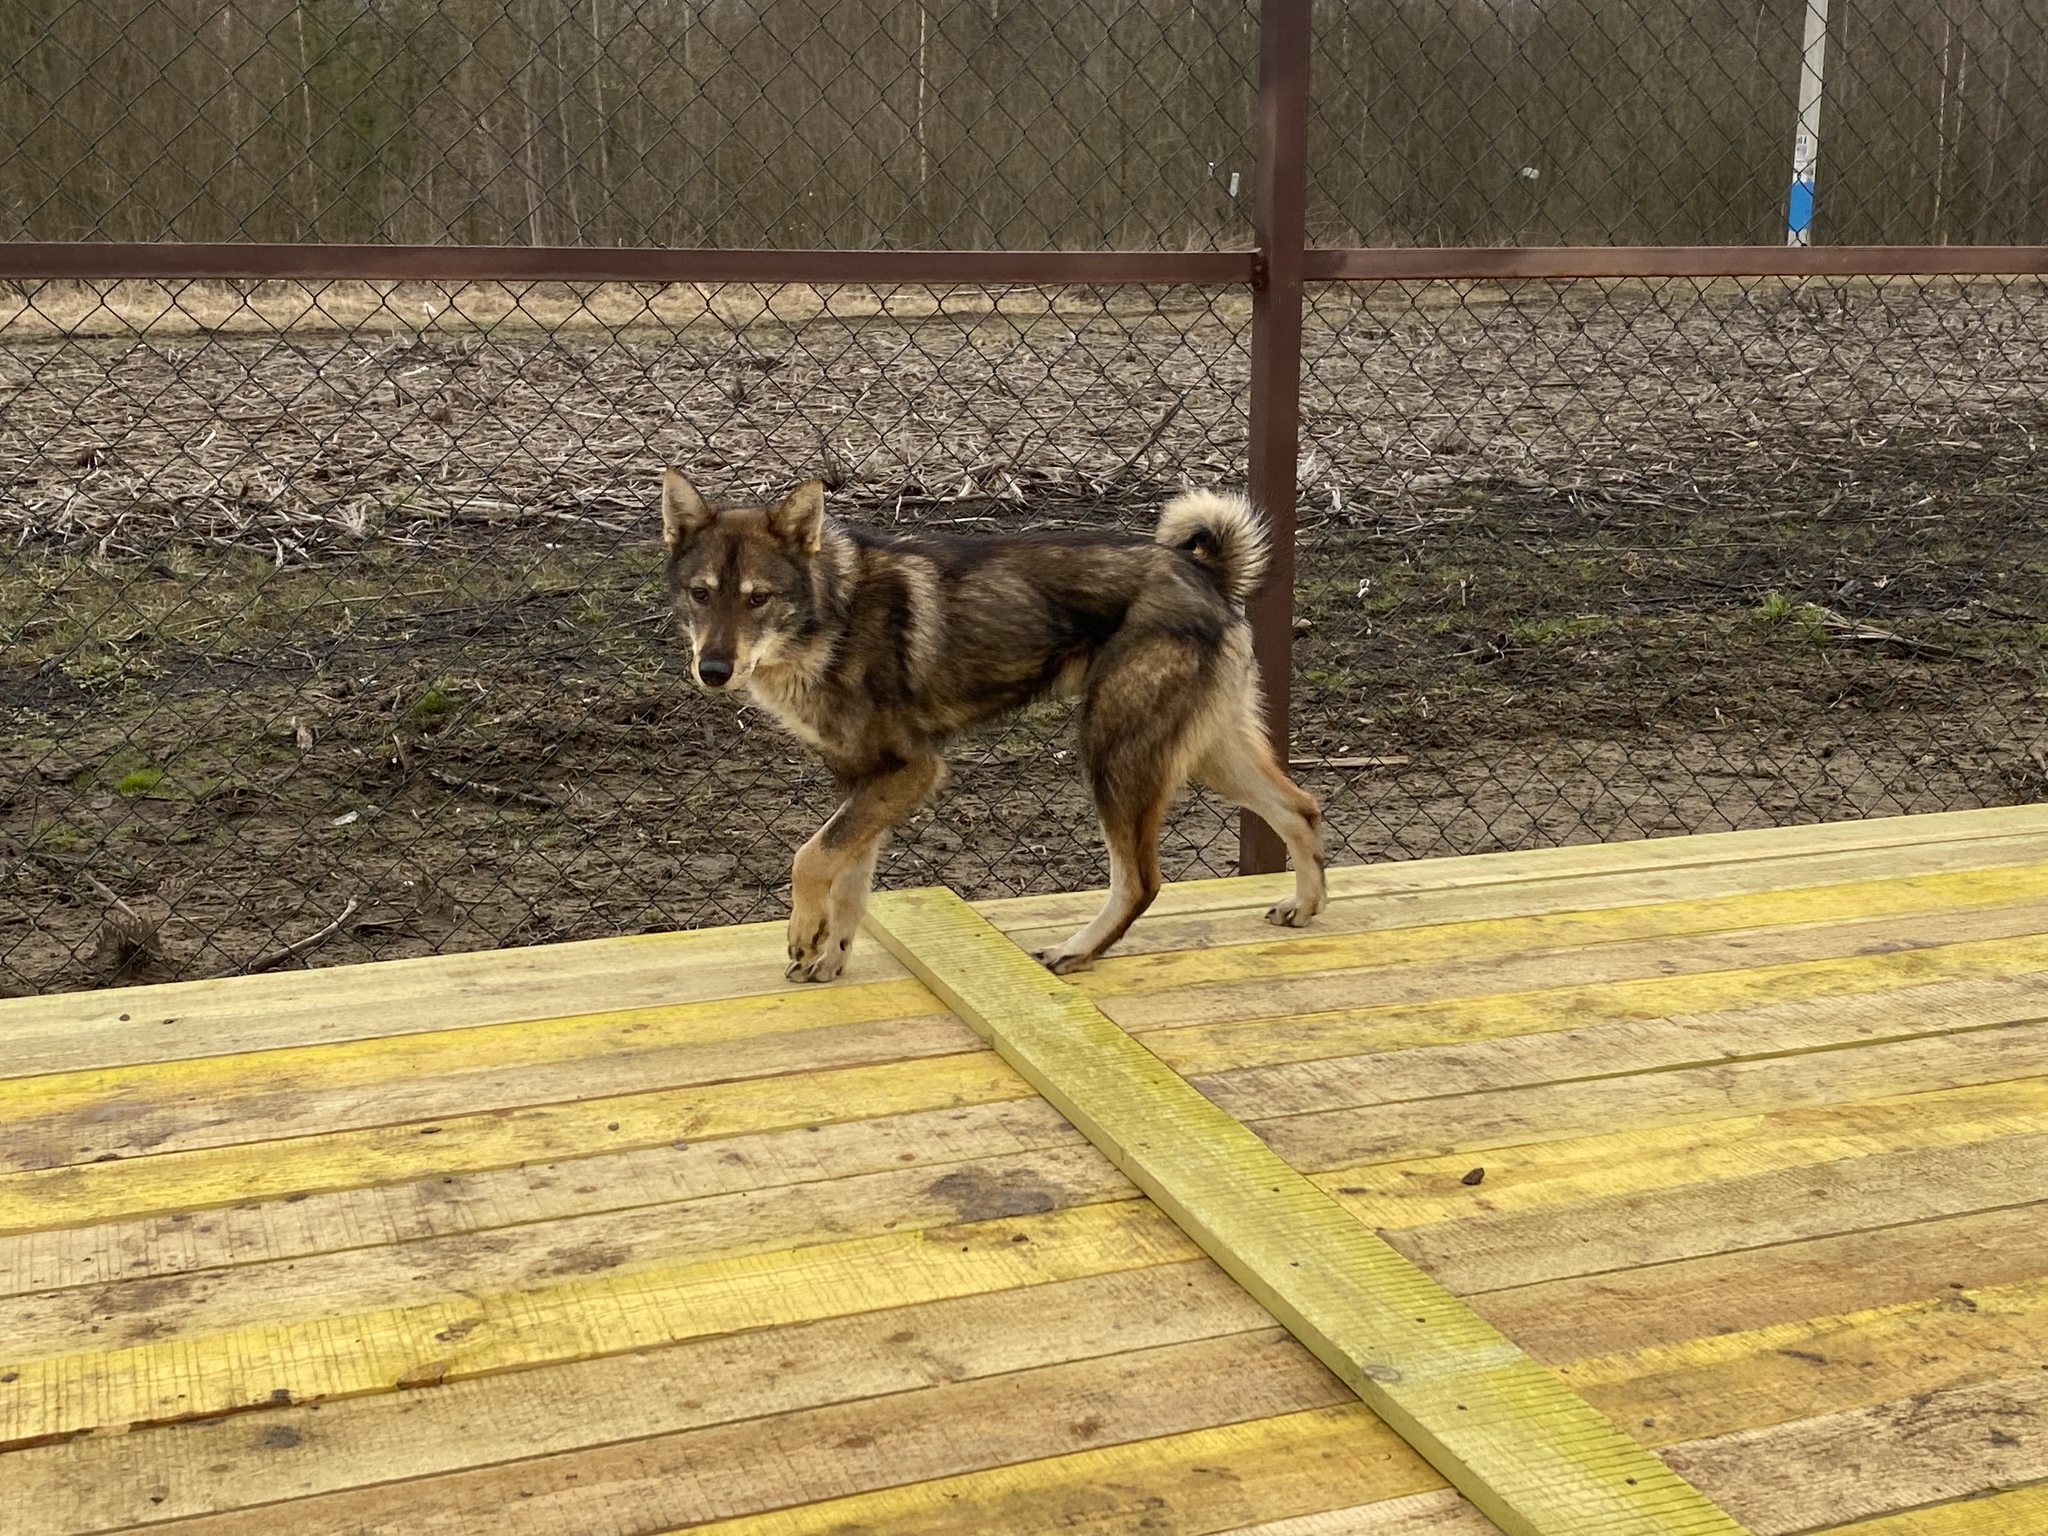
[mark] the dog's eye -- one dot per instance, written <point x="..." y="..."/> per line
<point x="758" y="599"/>
<point x="700" y="594"/>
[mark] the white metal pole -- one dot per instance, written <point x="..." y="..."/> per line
<point x="1806" y="138"/>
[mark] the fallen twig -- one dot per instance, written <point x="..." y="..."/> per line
<point x="295" y="948"/>
<point x="494" y="791"/>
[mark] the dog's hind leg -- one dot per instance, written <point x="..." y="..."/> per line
<point x="1241" y="768"/>
<point x="1137" y="726"/>
<point x="1132" y="832"/>
<point x="829" y="880"/>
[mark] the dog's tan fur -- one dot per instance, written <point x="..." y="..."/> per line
<point x="878" y="651"/>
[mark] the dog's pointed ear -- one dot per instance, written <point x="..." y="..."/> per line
<point x="799" y="518"/>
<point x="683" y="511"/>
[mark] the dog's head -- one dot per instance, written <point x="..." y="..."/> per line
<point x="741" y="577"/>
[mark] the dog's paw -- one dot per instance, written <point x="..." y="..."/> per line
<point x="1292" y="913"/>
<point x="1060" y="963"/>
<point x="822" y="958"/>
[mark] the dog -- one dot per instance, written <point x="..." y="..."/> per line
<point x="878" y="650"/>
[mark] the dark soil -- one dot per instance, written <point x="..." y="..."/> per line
<point x="1576" y="564"/>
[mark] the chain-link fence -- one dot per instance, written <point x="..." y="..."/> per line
<point x="332" y="628"/>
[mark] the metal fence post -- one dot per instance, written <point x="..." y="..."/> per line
<point x="1278" y="220"/>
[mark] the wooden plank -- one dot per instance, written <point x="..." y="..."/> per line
<point x="216" y="1176"/>
<point x="2017" y="1512"/>
<point x="1499" y="1427"/>
<point x="1444" y="1512"/>
<point x="436" y="1205"/>
<point x="1402" y="1193"/>
<point x="1203" y="1049"/>
<point x="839" y="1450"/>
<point x="1486" y="1253"/>
<point x="70" y="1031"/>
<point x="1244" y="923"/>
<point x="1800" y="1370"/>
<point x="602" y="1045"/>
<point x="250" y="1102"/>
<point x="1698" y="851"/>
<point x="101" y="1482"/>
<point x="1514" y="1117"/>
<point x="1308" y="952"/>
<point x="1182" y="1483"/>
<point x="1629" y="1047"/>
<point x="1621" y="1310"/>
<point x="458" y="1337"/>
<point x="361" y="1279"/>
<point x="1280" y="999"/>
<point x="1929" y="1449"/>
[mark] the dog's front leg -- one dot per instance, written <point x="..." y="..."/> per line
<point x="830" y="878"/>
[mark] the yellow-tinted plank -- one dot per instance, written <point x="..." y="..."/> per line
<point x="1905" y="1453"/>
<point x="530" y="1042"/>
<point x="537" y="1253"/>
<point x="338" y="1356"/>
<point x="107" y="1482"/>
<point x="2017" y="1512"/>
<point x="443" y="1205"/>
<point x="223" y="1101"/>
<point x="1394" y="907"/>
<point x="71" y="1031"/>
<point x="215" y="1176"/>
<point x="1485" y="974"/>
<point x="1512" y="1117"/>
<point x="1410" y="1192"/>
<point x="1698" y="851"/>
<point x="1307" y="1460"/>
<point x="1721" y="1215"/>
<point x="1306" y="953"/>
<point x="1799" y="1370"/>
<point x="1203" y="1049"/>
<point x="1502" y="1429"/>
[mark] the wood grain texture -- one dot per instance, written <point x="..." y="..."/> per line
<point x="1272" y="1001"/>
<point x="456" y="1337"/>
<point x="72" y="1031"/>
<point x="442" y="1205"/>
<point x="1927" y="1449"/>
<point x="73" y="1117"/>
<point x="1410" y="1192"/>
<point x="1737" y="1291"/>
<point x="1352" y="910"/>
<point x="101" y="1482"/>
<point x="539" y="1253"/>
<point x="2019" y="1512"/>
<point x="1312" y="952"/>
<point x="1499" y="1427"/>
<point x="210" y="1177"/>
<point x="1726" y="1216"/>
<point x="1700" y="851"/>
<point x="1692" y="994"/>
<point x="1205" y="1480"/>
<point x="1682" y="1039"/>
<point x="832" y="1451"/>
<point x="1800" y="1370"/>
<point x="1560" y="1111"/>
<point x="1444" y="1512"/>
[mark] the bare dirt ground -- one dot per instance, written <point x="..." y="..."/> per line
<point x="320" y="611"/>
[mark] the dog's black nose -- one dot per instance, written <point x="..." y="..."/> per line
<point x="715" y="671"/>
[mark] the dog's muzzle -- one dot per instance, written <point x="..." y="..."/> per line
<point x="714" y="671"/>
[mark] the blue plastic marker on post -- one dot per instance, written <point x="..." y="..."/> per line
<point x="1806" y="137"/>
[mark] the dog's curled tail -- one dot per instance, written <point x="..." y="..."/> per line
<point x="1221" y="533"/>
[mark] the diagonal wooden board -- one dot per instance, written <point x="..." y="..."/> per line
<point x="1509" y="1434"/>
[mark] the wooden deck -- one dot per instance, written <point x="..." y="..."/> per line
<point x="1721" y="1155"/>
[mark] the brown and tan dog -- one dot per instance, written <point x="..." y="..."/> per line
<point x="879" y="650"/>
